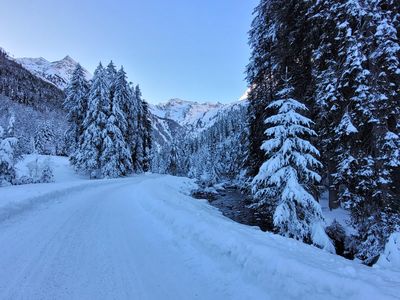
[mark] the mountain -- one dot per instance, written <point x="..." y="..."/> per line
<point x="35" y="103"/>
<point x="20" y="85"/>
<point x="57" y="72"/>
<point x="189" y="118"/>
<point x="186" y="113"/>
<point x="192" y="115"/>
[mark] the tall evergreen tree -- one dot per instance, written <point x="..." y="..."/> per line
<point x="116" y="157"/>
<point x="131" y="111"/>
<point x="286" y="180"/>
<point x="94" y="125"/>
<point x="76" y="106"/>
<point x="8" y="154"/>
<point x="260" y="75"/>
<point x="44" y="139"/>
<point x="111" y="74"/>
<point x="143" y="138"/>
<point x="147" y="140"/>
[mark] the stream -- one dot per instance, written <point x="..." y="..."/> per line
<point x="234" y="205"/>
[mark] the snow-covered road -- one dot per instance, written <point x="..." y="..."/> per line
<point x="141" y="238"/>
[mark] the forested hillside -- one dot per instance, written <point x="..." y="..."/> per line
<point x="22" y="86"/>
<point x="36" y="107"/>
<point x="58" y="72"/>
<point x="342" y="59"/>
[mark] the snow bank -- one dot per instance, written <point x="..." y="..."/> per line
<point x="283" y="268"/>
<point x="16" y="199"/>
<point x="59" y="164"/>
<point x="391" y="256"/>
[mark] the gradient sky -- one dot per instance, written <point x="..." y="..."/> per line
<point x="189" y="49"/>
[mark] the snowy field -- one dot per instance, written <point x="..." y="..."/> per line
<point x="143" y="237"/>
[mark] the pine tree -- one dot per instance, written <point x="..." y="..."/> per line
<point x="260" y="75"/>
<point x="147" y="139"/>
<point x="8" y="155"/>
<point x="111" y="74"/>
<point x="286" y="180"/>
<point x="44" y="139"/>
<point x="172" y="166"/>
<point x="47" y="175"/>
<point x="116" y="156"/>
<point x="94" y="125"/>
<point x="143" y="138"/>
<point x="131" y="111"/>
<point x="375" y="211"/>
<point x="76" y="106"/>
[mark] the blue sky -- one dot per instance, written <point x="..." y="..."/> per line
<point x="189" y="49"/>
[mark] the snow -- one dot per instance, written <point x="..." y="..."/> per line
<point x="193" y="116"/>
<point x="346" y="126"/>
<point x="58" y="72"/>
<point x="391" y="256"/>
<point x="339" y="214"/>
<point x="181" y="117"/>
<point x="59" y="164"/>
<point x="143" y="237"/>
<point x="245" y="95"/>
<point x="185" y="112"/>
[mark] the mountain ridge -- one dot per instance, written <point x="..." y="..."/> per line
<point x="57" y="72"/>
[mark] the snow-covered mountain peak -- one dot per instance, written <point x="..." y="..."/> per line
<point x="188" y="117"/>
<point x="68" y="58"/>
<point x="57" y="72"/>
<point x="178" y="117"/>
<point x="178" y="101"/>
<point x="185" y="113"/>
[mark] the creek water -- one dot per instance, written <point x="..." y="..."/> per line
<point x="235" y="205"/>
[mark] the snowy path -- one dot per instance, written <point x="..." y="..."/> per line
<point x="140" y="238"/>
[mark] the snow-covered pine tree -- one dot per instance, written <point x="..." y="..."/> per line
<point x="172" y="163"/>
<point x="260" y="75"/>
<point x="147" y="139"/>
<point x="137" y="146"/>
<point x="76" y="106"/>
<point x="116" y="156"/>
<point x="287" y="179"/>
<point x="94" y="125"/>
<point x="47" y="175"/>
<point x="376" y="212"/>
<point x="328" y="101"/>
<point x="386" y="56"/>
<point x="111" y="73"/>
<point x="143" y="142"/>
<point x="44" y="139"/>
<point x="131" y="111"/>
<point x="8" y="155"/>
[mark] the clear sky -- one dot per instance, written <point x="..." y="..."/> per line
<point x="189" y="49"/>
